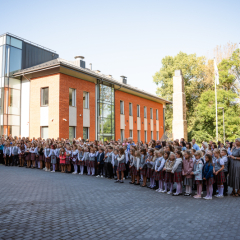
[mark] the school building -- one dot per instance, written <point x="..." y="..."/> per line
<point x="45" y="96"/>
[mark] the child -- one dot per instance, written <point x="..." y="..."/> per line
<point x="75" y="159"/>
<point x="218" y="172"/>
<point x="115" y="161"/>
<point x="68" y="158"/>
<point x="47" y="154"/>
<point x="169" y="176"/>
<point x="7" y="154"/>
<point x="15" y="154"/>
<point x="57" y="153"/>
<point x="186" y="172"/>
<point x="131" y="166"/>
<point x="208" y="176"/>
<point x="80" y="160"/>
<point x="109" y="162"/>
<point x="225" y="170"/>
<point x="121" y="165"/>
<point x="100" y="161"/>
<point x="53" y="157"/>
<point x="27" y="155"/>
<point x="197" y="172"/>
<point x="143" y="167"/>
<point x="22" y="149"/>
<point x="86" y="157"/>
<point x="177" y="171"/>
<point x="158" y="175"/>
<point x="40" y="156"/>
<point x="91" y="167"/>
<point x="150" y="163"/>
<point x="62" y="158"/>
<point x="135" y="166"/>
<point x="32" y="151"/>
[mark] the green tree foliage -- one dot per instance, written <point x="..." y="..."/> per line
<point x="200" y="96"/>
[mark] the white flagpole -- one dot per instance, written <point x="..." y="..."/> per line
<point x="216" y="79"/>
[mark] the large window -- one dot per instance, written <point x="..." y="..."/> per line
<point x="44" y="97"/>
<point x="138" y="110"/>
<point x="145" y="112"/>
<point x="85" y="100"/>
<point x="121" y="107"/>
<point x="72" y="133"/>
<point x="145" y="136"/>
<point x="139" y="135"/>
<point x="44" y="132"/>
<point x="122" y="135"/>
<point x="130" y="133"/>
<point x="156" y="114"/>
<point x="85" y="133"/>
<point x="105" y="112"/>
<point x="72" y="97"/>
<point x="130" y="109"/>
<point x="151" y="113"/>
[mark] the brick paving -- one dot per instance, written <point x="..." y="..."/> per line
<point x="43" y="205"/>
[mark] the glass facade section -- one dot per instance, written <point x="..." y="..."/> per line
<point x="105" y="112"/>
<point x="72" y="133"/>
<point x="85" y="133"/>
<point x="10" y="95"/>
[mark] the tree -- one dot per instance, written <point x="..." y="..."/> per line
<point x="197" y="75"/>
<point x="205" y="125"/>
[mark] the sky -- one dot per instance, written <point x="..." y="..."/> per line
<point x="127" y="37"/>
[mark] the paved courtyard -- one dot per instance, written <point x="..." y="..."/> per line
<point x="42" y="205"/>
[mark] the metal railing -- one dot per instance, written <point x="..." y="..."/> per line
<point x="27" y="41"/>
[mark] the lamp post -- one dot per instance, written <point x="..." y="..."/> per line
<point x="223" y="125"/>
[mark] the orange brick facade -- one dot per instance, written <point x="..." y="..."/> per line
<point x="58" y="108"/>
<point x="67" y="82"/>
<point x="135" y="100"/>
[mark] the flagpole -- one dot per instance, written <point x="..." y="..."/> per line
<point x="216" y="107"/>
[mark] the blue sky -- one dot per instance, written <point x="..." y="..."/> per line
<point x="124" y="37"/>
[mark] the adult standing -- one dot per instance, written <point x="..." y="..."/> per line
<point x="194" y="145"/>
<point x="234" y="169"/>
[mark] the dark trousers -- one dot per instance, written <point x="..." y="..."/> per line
<point x="106" y="169"/>
<point x="15" y="160"/>
<point x="225" y="184"/>
<point x="127" y="170"/>
<point x="110" y="170"/>
<point x="1" y="157"/>
<point x="8" y="160"/>
<point x="100" y="169"/>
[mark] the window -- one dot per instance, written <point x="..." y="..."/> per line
<point x="139" y="135"/>
<point x="157" y="136"/>
<point x="44" y="97"/>
<point x="130" y="109"/>
<point x="85" y="133"/>
<point x="151" y="134"/>
<point x="151" y="113"/>
<point x="44" y="132"/>
<point x="72" y="97"/>
<point x="121" y="107"/>
<point x="145" y="136"/>
<point x="138" y="110"/>
<point x="122" y="135"/>
<point x="130" y="133"/>
<point x="72" y="133"/>
<point x="156" y="114"/>
<point x="145" y="112"/>
<point x="85" y="100"/>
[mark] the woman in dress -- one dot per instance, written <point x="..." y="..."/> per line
<point x="234" y="169"/>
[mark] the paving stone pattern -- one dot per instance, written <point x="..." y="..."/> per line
<point x="43" y="205"/>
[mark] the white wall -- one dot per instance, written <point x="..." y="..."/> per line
<point x="72" y="116"/>
<point x="86" y="117"/>
<point x="130" y="122"/>
<point x="122" y="121"/>
<point x="44" y="116"/>
<point x="138" y="123"/>
<point x="25" y="96"/>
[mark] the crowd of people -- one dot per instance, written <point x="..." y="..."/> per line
<point x="211" y="168"/>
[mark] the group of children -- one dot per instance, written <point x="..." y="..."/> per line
<point x="162" y="167"/>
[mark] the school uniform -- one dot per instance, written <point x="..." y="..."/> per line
<point x="80" y="162"/>
<point x="197" y="171"/>
<point x="149" y="167"/>
<point x="131" y="164"/>
<point x="169" y="176"/>
<point x="86" y="159"/>
<point x="143" y="165"/>
<point x="220" y="177"/>
<point x="121" y="163"/>
<point x="109" y="165"/>
<point x="15" y="157"/>
<point x="158" y="167"/>
<point x="106" y="164"/>
<point x="115" y="163"/>
<point x="33" y="153"/>
<point x="68" y="158"/>
<point x="91" y="167"/>
<point x="75" y="160"/>
<point x="208" y="174"/>
<point x="100" y="160"/>
<point x="177" y="170"/>
<point x="225" y="171"/>
<point x="47" y="154"/>
<point x="21" y="156"/>
<point x="127" y="156"/>
<point x="186" y="170"/>
<point x="8" y="152"/>
<point x="136" y="165"/>
<point x="40" y="158"/>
